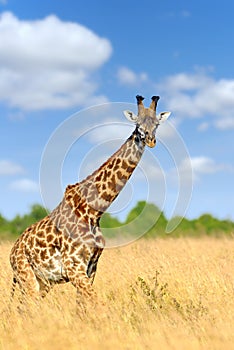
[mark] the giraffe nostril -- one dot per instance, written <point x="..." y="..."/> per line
<point x="151" y="141"/>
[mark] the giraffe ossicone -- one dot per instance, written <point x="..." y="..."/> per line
<point x="65" y="245"/>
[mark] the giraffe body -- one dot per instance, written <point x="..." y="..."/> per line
<point x="65" y="246"/>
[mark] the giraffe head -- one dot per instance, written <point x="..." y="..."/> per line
<point x="146" y="120"/>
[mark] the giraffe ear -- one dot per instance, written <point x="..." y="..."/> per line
<point x="131" y="116"/>
<point x="163" y="116"/>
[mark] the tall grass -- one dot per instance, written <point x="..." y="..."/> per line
<point x="153" y="294"/>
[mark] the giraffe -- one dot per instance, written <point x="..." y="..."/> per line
<point x="65" y="245"/>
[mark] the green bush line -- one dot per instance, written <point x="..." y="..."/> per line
<point x="205" y="225"/>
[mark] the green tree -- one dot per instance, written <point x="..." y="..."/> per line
<point x="146" y="218"/>
<point x="3" y="221"/>
<point x="37" y="212"/>
<point x="108" y="221"/>
<point x="214" y="226"/>
<point x="20" y="223"/>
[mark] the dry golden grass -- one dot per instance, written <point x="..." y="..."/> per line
<point x="162" y="294"/>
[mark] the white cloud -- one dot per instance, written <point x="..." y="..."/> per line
<point x="185" y="13"/>
<point x="178" y="14"/>
<point x="203" y="126"/>
<point x="225" y="123"/>
<point x="200" y="166"/>
<point x="167" y="130"/>
<point x="48" y="63"/>
<point x="24" y="185"/>
<point x="17" y="115"/>
<point x="199" y="95"/>
<point x="128" y="77"/>
<point x="8" y="167"/>
<point x="110" y="131"/>
<point x="185" y="82"/>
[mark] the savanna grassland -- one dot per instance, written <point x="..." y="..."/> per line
<point x="153" y="294"/>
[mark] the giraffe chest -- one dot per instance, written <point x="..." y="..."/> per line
<point x="50" y="262"/>
<point x="51" y="268"/>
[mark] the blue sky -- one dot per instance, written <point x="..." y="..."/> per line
<point x="59" y="58"/>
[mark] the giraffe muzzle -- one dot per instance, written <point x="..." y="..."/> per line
<point x="151" y="142"/>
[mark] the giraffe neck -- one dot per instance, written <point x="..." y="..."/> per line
<point x="96" y="193"/>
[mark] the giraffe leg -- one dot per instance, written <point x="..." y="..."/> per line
<point x="26" y="278"/>
<point x="86" y="296"/>
<point x="28" y="284"/>
<point x="14" y="283"/>
<point x="23" y="273"/>
<point x="76" y="273"/>
<point x="92" y="273"/>
<point x="44" y="287"/>
<point x="92" y="265"/>
<point x="83" y="285"/>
